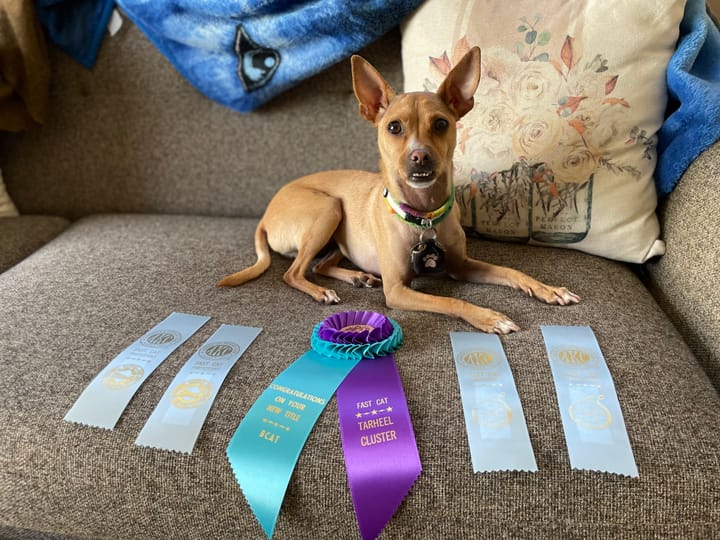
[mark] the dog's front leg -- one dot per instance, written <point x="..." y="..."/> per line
<point x="399" y="295"/>
<point x="474" y="271"/>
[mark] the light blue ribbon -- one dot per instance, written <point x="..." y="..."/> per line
<point x="494" y="419"/>
<point x="176" y="422"/>
<point x="264" y="449"/>
<point x="103" y="401"/>
<point x="592" y="419"/>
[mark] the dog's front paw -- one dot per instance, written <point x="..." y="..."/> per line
<point x="565" y="297"/>
<point x="553" y="295"/>
<point x="492" y="322"/>
<point x="329" y="297"/>
<point x="366" y="280"/>
<point x="504" y="326"/>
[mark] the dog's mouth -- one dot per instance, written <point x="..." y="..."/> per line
<point x="421" y="178"/>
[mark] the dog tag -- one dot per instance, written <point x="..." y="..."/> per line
<point x="428" y="256"/>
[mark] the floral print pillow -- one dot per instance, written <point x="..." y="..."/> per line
<point x="560" y="146"/>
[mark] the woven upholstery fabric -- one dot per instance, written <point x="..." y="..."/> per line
<point x="685" y="279"/>
<point x="20" y="236"/>
<point x="133" y="136"/>
<point x="81" y="299"/>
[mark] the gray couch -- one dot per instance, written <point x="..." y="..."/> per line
<point x="139" y="194"/>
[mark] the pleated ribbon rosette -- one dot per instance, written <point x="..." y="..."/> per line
<point x="352" y="353"/>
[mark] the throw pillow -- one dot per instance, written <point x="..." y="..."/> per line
<point x="560" y="146"/>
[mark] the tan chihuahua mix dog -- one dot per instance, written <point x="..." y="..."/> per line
<point x="397" y="223"/>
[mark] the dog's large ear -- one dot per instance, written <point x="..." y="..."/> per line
<point x="459" y="86"/>
<point x="371" y="90"/>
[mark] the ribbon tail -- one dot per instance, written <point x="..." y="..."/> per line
<point x="381" y="454"/>
<point x="267" y="443"/>
<point x="376" y="501"/>
<point x="264" y="493"/>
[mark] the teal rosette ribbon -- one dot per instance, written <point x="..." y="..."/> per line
<point x="356" y="335"/>
<point x="265" y="448"/>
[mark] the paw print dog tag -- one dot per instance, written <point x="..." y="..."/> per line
<point x="428" y="256"/>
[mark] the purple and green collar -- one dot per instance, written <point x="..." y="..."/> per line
<point x="424" y="220"/>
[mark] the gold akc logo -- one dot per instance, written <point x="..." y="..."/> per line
<point x="574" y="357"/>
<point x="482" y="364"/>
<point x="122" y="376"/>
<point x="163" y="338"/>
<point x="191" y="394"/>
<point x="478" y="359"/>
<point x="577" y="364"/>
<point x="218" y="351"/>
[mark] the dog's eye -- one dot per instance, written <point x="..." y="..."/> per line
<point x="441" y="125"/>
<point x="395" y="127"/>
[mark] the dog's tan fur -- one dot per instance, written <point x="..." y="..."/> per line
<point x="347" y="208"/>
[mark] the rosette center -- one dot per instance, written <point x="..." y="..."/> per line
<point x="354" y="335"/>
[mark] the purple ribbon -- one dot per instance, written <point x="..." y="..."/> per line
<point x="381" y="455"/>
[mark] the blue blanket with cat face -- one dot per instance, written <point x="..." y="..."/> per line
<point x="242" y="53"/>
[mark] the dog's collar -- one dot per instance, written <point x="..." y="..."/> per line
<point x="425" y="220"/>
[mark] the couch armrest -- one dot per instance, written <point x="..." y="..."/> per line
<point x="684" y="280"/>
<point x="21" y="236"/>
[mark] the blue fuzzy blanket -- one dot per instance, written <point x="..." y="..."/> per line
<point x="693" y="79"/>
<point x="76" y="26"/>
<point x="242" y="53"/>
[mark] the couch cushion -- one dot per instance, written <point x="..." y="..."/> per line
<point x="20" y="236"/>
<point x="685" y="279"/>
<point x="73" y="305"/>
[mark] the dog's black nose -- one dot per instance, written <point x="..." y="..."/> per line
<point x="420" y="157"/>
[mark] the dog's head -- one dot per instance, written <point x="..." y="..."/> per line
<point x="417" y="131"/>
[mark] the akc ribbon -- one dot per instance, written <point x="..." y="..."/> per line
<point x="593" y="423"/>
<point x="265" y="448"/>
<point x="103" y="401"/>
<point x="176" y="422"/>
<point x="494" y="419"/>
